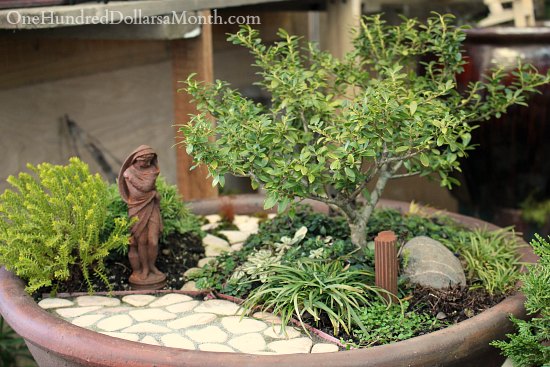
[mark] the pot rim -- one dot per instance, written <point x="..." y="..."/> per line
<point x="508" y="35"/>
<point x="42" y="329"/>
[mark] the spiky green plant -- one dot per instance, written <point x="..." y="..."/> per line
<point x="50" y="225"/>
<point x="315" y="289"/>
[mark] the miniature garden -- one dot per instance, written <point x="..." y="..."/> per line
<point x="336" y="132"/>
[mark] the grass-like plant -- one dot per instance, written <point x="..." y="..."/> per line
<point x="335" y="126"/>
<point x="385" y="324"/>
<point x="491" y="258"/>
<point x="530" y="346"/>
<point x="314" y="289"/>
<point x="50" y="225"/>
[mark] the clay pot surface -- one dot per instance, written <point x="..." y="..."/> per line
<point x="54" y="342"/>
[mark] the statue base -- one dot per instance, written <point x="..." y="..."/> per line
<point x="152" y="282"/>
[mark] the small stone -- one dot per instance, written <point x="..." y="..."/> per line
<point x="441" y="315"/>
<point x="114" y="310"/>
<point x="146" y="327"/>
<point x="267" y="317"/>
<point x="212" y="347"/>
<point x="210" y="226"/>
<point x="190" y="286"/>
<point x="115" y="323"/>
<point x="202" y="262"/>
<point x="149" y="314"/>
<point x="170" y="299"/>
<point x="191" y="271"/>
<point x="97" y="301"/>
<point x="211" y="240"/>
<point x="276" y="333"/>
<point x="165" y="251"/>
<point x="138" y="300"/>
<point x="235" y="325"/>
<point x="248" y="343"/>
<point x="239" y="219"/>
<point x="235" y="236"/>
<point x="182" y="307"/>
<point x="431" y="264"/>
<point x="192" y="320"/>
<point x="177" y="341"/>
<point x="214" y="246"/>
<point x="76" y="311"/>
<point x="237" y="246"/>
<point x="149" y="340"/>
<point x="219" y="307"/>
<point x="291" y="346"/>
<point x="209" y="334"/>
<point x="213" y="218"/>
<point x="125" y="336"/>
<point x="48" y="303"/>
<point x="324" y="348"/>
<point x="87" y="320"/>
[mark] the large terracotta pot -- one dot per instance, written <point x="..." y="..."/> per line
<point x="509" y="164"/>
<point x="54" y="342"/>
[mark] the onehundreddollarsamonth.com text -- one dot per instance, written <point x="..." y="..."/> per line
<point x="136" y="17"/>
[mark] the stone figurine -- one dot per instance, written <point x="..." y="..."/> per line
<point x="137" y="187"/>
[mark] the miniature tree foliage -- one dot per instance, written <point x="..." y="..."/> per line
<point x="335" y="126"/>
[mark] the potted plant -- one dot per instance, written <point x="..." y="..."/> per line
<point x="530" y="345"/>
<point x="334" y="126"/>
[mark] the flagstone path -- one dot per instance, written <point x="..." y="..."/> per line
<point x="178" y="321"/>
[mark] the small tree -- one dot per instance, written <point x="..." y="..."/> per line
<point x="334" y="126"/>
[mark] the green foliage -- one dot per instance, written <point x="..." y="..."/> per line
<point x="536" y="212"/>
<point x="176" y="217"/>
<point x="12" y="347"/>
<point x="317" y="244"/>
<point x="491" y="258"/>
<point x="50" y="226"/>
<point x="310" y="289"/>
<point x="529" y="346"/>
<point x="335" y="125"/>
<point x="391" y="323"/>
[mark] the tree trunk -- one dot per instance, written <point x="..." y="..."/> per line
<point x="358" y="230"/>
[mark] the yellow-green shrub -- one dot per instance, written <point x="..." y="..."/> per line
<point x="50" y="225"/>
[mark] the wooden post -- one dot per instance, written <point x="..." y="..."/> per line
<point x="192" y="55"/>
<point x="385" y="263"/>
<point x="342" y="17"/>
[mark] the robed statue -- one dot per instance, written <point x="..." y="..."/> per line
<point x="137" y="187"/>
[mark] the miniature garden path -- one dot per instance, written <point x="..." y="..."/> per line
<point x="179" y="321"/>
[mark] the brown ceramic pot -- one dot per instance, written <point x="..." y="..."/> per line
<point x="54" y="342"/>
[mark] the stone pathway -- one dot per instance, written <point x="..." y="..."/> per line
<point x="179" y="321"/>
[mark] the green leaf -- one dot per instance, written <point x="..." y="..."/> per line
<point x="349" y="173"/>
<point x="412" y="107"/>
<point x="270" y="201"/>
<point x="424" y="160"/>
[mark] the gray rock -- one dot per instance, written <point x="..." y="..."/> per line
<point x="431" y="264"/>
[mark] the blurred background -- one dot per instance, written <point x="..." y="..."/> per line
<point x="99" y="91"/>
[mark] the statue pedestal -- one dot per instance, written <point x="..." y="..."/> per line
<point x="152" y="282"/>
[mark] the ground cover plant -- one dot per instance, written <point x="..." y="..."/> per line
<point x="334" y="126"/>
<point x="297" y="272"/>
<point x="530" y="346"/>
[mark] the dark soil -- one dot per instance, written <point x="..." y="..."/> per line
<point x="452" y="305"/>
<point x="177" y="254"/>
